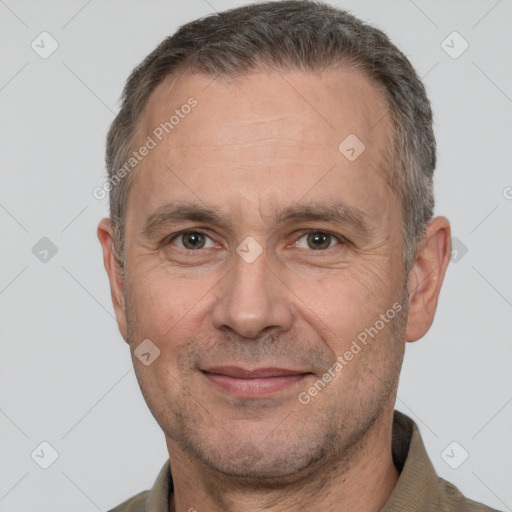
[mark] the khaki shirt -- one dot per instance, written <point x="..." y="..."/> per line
<point x="418" y="489"/>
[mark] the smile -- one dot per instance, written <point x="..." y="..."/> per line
<point x="253" y="383"/>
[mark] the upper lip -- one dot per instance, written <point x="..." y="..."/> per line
<point x="243" y="373"/>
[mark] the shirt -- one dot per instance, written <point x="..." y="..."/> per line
<point x="418" y="489"/>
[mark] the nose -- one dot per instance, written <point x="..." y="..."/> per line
<point x="253" y="299"/>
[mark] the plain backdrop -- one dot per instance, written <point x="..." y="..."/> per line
<point x="66" y="376"/>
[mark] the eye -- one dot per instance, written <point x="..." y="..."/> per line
<point x="192" y="240"/>
<point x="317" y="240"/>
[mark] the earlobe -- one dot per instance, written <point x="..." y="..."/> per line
<point x="115" y="276"/>
<point x="426" y="277"/>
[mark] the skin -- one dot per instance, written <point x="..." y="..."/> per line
<point x="252" y="147"/>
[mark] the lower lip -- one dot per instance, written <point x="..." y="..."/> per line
<point x="254" y="387"/>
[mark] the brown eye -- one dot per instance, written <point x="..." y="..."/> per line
<point x="191" y="240"/>
<point x="318" y="241"/>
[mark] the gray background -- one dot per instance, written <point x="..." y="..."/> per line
<point x="65" y="373"/>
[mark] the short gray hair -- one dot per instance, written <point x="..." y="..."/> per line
<point x="290" y="35"/>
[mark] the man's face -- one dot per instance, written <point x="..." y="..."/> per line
<point x="254" y="303"/>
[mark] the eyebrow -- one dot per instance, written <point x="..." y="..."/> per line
<point x="175" y="212"/>
<point x="337" y="213"/>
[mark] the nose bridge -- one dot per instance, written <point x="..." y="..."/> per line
<point x="252" y="298"/>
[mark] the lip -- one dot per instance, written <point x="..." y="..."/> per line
<point x="253" y="383"/>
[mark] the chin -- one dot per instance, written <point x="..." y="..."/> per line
<point x="268" y="463"/>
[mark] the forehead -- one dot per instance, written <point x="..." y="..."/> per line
<point x="262" y="133"/>
<point x="333" y="102"/>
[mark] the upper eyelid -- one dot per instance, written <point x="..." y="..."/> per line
<point x="327" y="232"/>
<point x="340" y="238"/>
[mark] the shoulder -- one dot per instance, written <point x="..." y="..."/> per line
<point x="455" y="501"/>
<point x="136" y="503"/>
<point x="154" y="500"/>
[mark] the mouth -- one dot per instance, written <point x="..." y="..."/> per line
<point x="253" y="383"/>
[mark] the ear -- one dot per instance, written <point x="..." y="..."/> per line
<point x="426" y="277"/>
<point x="113" y="268"/>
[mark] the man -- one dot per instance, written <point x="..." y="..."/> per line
<point x="270" y="250"/>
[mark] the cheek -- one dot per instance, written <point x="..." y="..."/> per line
<point x="348" y="299"/>
<point x="375" y="284"/>
<point x="168" y="312"/>
<point x="165" y="307"/>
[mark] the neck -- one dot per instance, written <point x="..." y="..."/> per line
<point x="341" y="485"/>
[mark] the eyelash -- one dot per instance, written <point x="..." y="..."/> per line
<point x="339" y="238"/>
